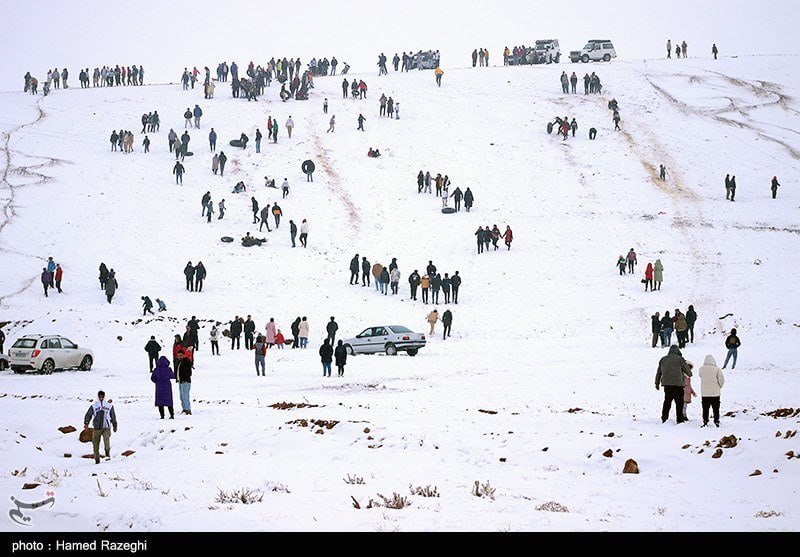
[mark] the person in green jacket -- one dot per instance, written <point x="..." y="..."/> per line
<point x="669" y="374"/>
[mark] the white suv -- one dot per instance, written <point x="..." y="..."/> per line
<point x="596" y="50"/>
<point x="46" y="353"/>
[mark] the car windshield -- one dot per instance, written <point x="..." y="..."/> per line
<point x="589" y="46"/>
<point x="25" y="343"/>
<point x="399" y="329"/>
<point x="66" y="343"/>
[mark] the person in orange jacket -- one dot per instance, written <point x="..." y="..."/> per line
<point x="508" y="236"/>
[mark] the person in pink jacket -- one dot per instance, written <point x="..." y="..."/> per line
<point x="272" y="331"/>
<point x="688" y="392"/>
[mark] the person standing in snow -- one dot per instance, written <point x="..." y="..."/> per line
<point x="655" y="327"/>
<point x="303" y="328"/>
<point x="455" y="284"/>
<point x="178" y="171"/>
<point x="658" y="274"/>
<point x="732" y="343"/>
<point x="631" y="261"/>
<point x="688" y="393"/>
<point x="354" y="267"/>
<point x="425" y="284"/>
<point x="438" y="72"/>
<point x="59" y="275"/>
<point x="711" y="383"/>
<point x="221" y="208"/>
<point x="188" y="272"/>
<point x="365" y="269"/>
<point x="103" y="417"/>
<point x="468" y="199"/>
<point x="621" y="264"/>
<point x="691" y="318"/>
<point x="446" y="282"/>
<point x="213" y="336"/>
<point x="361" y="121"/>
<point x="447" y="321"/>
<point x="340" y="355"/>
<point x="662" y="172"/>
<point x="162" y="376"/>
<point x="260" y="350"/>
<point x="669" y="48"/>
<point x="436" y="284"/>
<point x="774" y="186"/>
<point x="616" y="119"/>
<point x="508" y="236"/>
<point x="222" y="160"/>
<point x="277" y="213"/>
<point x="669" y="374"/>
<point x="332" y="124"/>
<point x="111" y="285"/>
<point x="197" y="112"/>
<point x="46" y="279"/>
<point x="414" y="281"/>
<point x="648" y="277"/>
<point x="331" y="329"/>
<point x="289" y="126"/>
<point x="714" y="50"/>
<point x="183" y="374"/>
<point x="304" y="233"/>
<point x="264" y="218"/>
<point x="384" y="281"/>
<point x="573" y="81"/>
<point x="666" y="330"/>
<point x="326" y="356"/>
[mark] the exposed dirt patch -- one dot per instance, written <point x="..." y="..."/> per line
<point x="291" y="405"/>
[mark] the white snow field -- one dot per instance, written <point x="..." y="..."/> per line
<point x="549" y="365"/>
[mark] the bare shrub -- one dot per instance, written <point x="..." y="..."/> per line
<point x="483" y="490"/>
<point x="277" y="487"/>
<point x="767" y="514"/>
<point x="426" y="491"/>
<point x="52" y="477"/>
<point x="245" y="495"/>
<point x="100" y="491"/>
<point x="553" y="507"/>
<point x="353" y="480"/>
<point x="144" y="485"/>
<point x="397" y="501"/>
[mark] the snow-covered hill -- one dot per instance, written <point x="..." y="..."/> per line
<point x="549" y="365"/>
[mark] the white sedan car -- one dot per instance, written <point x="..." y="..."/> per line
<point x="46" y="353"/>
<point x="390" y="339"/>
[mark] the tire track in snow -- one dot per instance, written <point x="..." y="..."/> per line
<point x="335" y="184"/>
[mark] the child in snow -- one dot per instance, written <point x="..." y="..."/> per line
<point x="688" y="392"/>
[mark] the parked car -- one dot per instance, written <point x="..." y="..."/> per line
<point x="595" y="50"/>
<point x="47" y="353"/>
<point x="427" y="60"/>
<point x="546" y="51"/>
<point x="3" y="362"/>
<point x="390" y="339"/>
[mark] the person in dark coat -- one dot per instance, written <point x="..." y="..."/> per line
<point x="326" y="356"/>
<point x="670" y="374"/>
<point x="655" y="327"/>
<point x="436" y="284"/>
<point x="296" y="333"/>
<point x="446" y="283"/>
<point x="691" y="318"/>
<point x="188" y="271"/>
<point x="340" y="355"/>
<point x="413" y="281"/>
<point x="468" y="199"/>
<point x="447" y="321"/>
<point x="293" y="232"/>
<point x="222" y="160"/>
<point x="162" y="376"/>
<point x="384" y="280"/>
<point x="354" y="266"/>
<point x="184" y="376"/>
<point x="153" y="348"/>
<point x="111" y="285"/>
<point x="194" y="333"/>
<point x="199" y="275"/>
<point x="774" y="187"/>
<point x="455" y="283"/>
<point x="732" y="343"/>
<point x="147" y="306"/>
<point x="365" y="271"/>
<point x="47" y="278"/>
<point x="103" y="276"/>
<point x="236" y="332"/>
<point x="249" y="332"/>
<point x="308" y="168"/>
<point x="331" y="328"/>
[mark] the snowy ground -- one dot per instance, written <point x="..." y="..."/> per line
<point x="549" y="364"/>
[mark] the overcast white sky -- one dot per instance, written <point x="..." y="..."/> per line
<point x="166" y="36"/>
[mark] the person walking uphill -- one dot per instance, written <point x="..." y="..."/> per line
<point x="260" y="349"/>
<point x="162" y="376"/>
<point x="153" y="348"/>
<point x="326" y="356"/>
<point x="331" y="328"/>
<point x="438" y="72"/>
<point x="732" y="343"/>
<point x="184" y="377"/>
<point x="774" y="186"/>
<point x="111" y="285"/>
<point x="658" y="275"/>
<point x="711" y="382"/>
<point x="432" y="318"/>
<point x="669" y="374"/>
<point x="103" y="418"/>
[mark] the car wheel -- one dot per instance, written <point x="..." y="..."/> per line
<point x="3" y="365"/>
<point x="412" y="351"/>
<point x="606" y="58"/>
<point x="585" y="58"/>
<point x="349" y="350"/>
<point x="48" y="366"/>
<point x="391" y="350"/>
<point x="86" y="363"/>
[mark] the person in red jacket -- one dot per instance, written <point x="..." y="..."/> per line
<point x="648" y="277"/>
<point x="279" y="339"/>
<point x="59" y="274"/>
<point x="508" y="236"/>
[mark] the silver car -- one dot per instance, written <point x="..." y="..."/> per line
<point x="390" y="339"/>
<point x="47" y="353"/>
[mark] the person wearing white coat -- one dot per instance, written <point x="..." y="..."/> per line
<point x="394" y="280"/>
<point x="711" y="382"/>
<point x="289" y="126"/>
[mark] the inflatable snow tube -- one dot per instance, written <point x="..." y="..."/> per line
<point x="307" y="166"/>
<point x="448" y="210"/>
<point x="549" y="127"/>
<point x="227" y="239"/>
<point x="235" y="143"/>
<point x="188" y="154"/>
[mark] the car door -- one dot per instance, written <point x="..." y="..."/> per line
<point x="54" y="352"/>
<point x="379" y="337"/>
<point x="70" y="352"/>
<point x="361" y="341"/>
